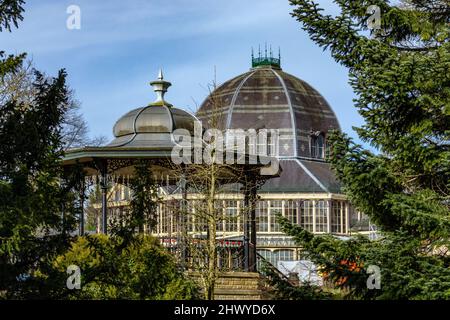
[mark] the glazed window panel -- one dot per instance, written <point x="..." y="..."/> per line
<point x="336" y="211"/>
<point x="313" y="142"/>
<point x="198" y="213"/>
<point x="321" y="147"/>
<point x="268" y="256"/>
<point x="200" y="224"/>
<point x="317" y="146"/>
<point x="118" y="193"/>
<point x="272" y="146"/>
<point x="231" y="216"/>
<point x="284" y="255"/>
<point x="262" y="148"/>
<point x="166" y="219"/>
<point x="281" y="255"/>
<point x="162" y="219"/>
<point x="241" y="216"/>
<point x="190" y="217"/>
<point x="276" y="207"/>
<point x="220" y="221"/>
<point x="126" y="192"/>
<point x="262" y="217"/>
<point x="235" y="139"/>
<point x="173" y="211"/>
<point x="291" y="211"/>
<point x="251" y="144"/>
<point x="265" y="145"/>
<point x="306" y="215"/>
<point x="321" y="216"/>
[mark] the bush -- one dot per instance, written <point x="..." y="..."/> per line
<point x="112" y="269"/>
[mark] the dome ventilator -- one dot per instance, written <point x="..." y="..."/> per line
<point x="267" y="59"/>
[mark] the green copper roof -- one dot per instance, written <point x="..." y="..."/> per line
<point x="267" y="59"/>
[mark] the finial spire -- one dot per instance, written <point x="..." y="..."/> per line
<point x="268" y="59"/>
<point x="160" y="87"/>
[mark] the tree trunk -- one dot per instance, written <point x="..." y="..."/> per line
<point x="212" y="250"/>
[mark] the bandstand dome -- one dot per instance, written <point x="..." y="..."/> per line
<point x="153" y="124"/>
<point x="266" y="97"/>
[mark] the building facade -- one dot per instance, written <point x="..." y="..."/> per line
<point x="306" y="192"/>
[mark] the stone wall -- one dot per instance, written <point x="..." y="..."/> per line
<point x="236" y="286"/>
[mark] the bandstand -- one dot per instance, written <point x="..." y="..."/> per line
<point x="146" y="135"/>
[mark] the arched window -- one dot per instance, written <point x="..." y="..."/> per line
<point x="317" y="145"/>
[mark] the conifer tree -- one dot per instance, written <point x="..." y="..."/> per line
<point x="38" y="211"/>
<point x="400" y="73"/>
<point x="32" y="199"/>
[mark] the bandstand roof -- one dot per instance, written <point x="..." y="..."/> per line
<point x="142" y="134"/>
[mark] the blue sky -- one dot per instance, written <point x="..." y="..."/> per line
<point x="122" y="44"/>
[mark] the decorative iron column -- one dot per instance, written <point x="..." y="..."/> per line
<point x="103" y="166"/>
<point x="81" y="217"/>
<point x="250" y="198"/>
<point x="246" y="229"/>
<point x="253" y="199"/>
<point x="182" y="234"/>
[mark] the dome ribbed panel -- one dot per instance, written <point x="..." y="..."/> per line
<point x="270" y="99"/>
<point x="215" y="109"/>
<point x="312" y="112"/>
<point x="154" y="120"/>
